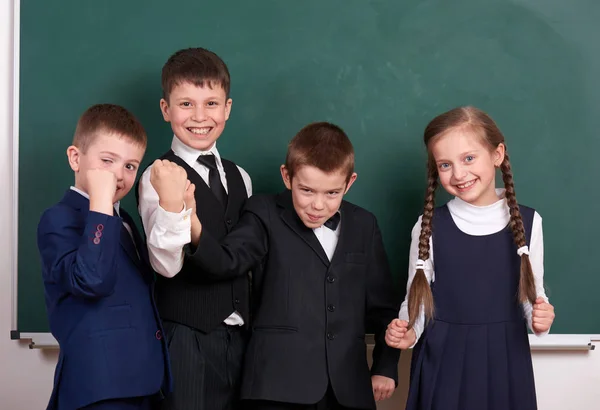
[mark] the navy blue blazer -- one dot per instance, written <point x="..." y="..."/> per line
<point x="100" y="304"/>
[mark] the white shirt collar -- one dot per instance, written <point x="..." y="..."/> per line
<point x="190" y="155"/>
<point x="481" y="215"/>
<point x="84" y="194"/>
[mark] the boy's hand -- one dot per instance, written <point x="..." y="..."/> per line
<point x="399" y="336"/>
<point x="383" y="387"/>
<point x="169" y="180"/>
<point x="102" y="186"/>
<point x="542" y="316"/>
<point x="189" y="198"/>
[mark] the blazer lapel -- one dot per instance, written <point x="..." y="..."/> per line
<point x="132" y="245"/>
<point x="292" y="220"/>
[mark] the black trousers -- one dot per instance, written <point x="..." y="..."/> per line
<point x="206" y="368"/>
<point x="328" y="402"/>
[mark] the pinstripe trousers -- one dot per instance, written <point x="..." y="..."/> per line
<point x="206" y="368"/>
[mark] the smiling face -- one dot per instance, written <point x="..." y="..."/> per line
<point x="466" y="165"/>
<point x="316" y="195"/>
<point x="117" y="154"/>
<point x="197" y="113"/>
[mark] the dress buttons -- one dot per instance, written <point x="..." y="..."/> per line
<point x="158" y="335"/>
<point x="100" y="227"/>
<point x="96" y="241"/>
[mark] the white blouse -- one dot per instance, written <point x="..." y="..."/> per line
<point x="477" y="221"/>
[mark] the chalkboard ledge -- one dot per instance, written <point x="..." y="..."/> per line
<point x="37" y="340"/>
<point x="548" y="342"/>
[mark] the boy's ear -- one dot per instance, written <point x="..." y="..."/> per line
<point x="164" y="109"/>
<point x="228" y="104"/>
<point x="73" y="154"/>
<point x="285" y="175"/>
<point x="350" y="182"/>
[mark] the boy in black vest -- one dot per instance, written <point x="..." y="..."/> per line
<point x="204" y="320"/>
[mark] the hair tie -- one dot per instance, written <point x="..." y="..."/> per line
<point x="523" y="250"/>
<point x="420" y="264"/>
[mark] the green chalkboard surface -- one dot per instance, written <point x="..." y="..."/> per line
<point x="381" y="69"/>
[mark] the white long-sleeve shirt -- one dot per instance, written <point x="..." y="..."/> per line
<point x="477" y="221"/>
<point x="167" y="232"/>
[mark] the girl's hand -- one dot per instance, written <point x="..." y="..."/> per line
<point x="399" y="336"/>
<point x="542" y="316"/>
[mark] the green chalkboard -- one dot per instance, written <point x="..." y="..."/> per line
<point x="380" y="69"/>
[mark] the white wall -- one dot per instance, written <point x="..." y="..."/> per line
<point x="25" y="375"/>
<point x="564" y="380"/>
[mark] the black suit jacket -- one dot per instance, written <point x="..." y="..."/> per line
<point x="309" y="314"/>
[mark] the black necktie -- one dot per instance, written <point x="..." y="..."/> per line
<point x="333" y="222"/>
<point x="214" y="180"/>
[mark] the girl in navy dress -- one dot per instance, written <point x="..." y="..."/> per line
<point x="475" y="277"/>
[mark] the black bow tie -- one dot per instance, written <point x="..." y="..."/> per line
<point x="333" y="222"/>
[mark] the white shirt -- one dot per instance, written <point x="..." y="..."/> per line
<point x="478" y="221"/>
<point x="328" y="238"/>
<point x="167" y="232"/>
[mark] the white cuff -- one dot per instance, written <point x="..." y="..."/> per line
<point x="175" y="222"/>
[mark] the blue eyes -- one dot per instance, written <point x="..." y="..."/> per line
<point x="446" y="165"/>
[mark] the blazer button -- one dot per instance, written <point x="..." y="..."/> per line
<point x="236" y="301"/>
<point x="330" y="279"/>
<point x="158" y="335"/>
<point x="330" y="336"/>
<point x="331" y="308"/>
<point x="228" y="222"/>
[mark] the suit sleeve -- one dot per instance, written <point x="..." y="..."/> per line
<point x="244" y="247"/>
<point x="381" y="308"/>
<point x="79" y="255"/>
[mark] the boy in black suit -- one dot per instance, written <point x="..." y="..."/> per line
<point x="325" y="274"/>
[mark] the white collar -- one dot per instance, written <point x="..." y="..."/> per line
<point x="481" y="215"/>
<point x="190" y="155"/>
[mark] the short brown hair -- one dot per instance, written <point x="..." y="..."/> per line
<point x="197" y="66"/>
<point x="321" y="145"/>
<point x="108" y="118"/>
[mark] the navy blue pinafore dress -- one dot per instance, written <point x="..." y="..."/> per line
<point x="474" y="354"/>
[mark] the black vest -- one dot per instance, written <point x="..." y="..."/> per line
<point x="189" y="298"/>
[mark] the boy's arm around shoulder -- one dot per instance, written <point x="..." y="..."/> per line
<point x="382" y="307"/>
<point x="79" y="255"/>
<point x="241" y="249"/>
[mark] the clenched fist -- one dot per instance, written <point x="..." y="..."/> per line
<point x="542" y="316"/>
<point x="399" y="336"/>
<point x="101" y="186"/>
<point x="170" y="182"/>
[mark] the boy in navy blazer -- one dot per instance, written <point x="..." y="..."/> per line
<point x="98" y="283"/>
<point x="324" y="276"/>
